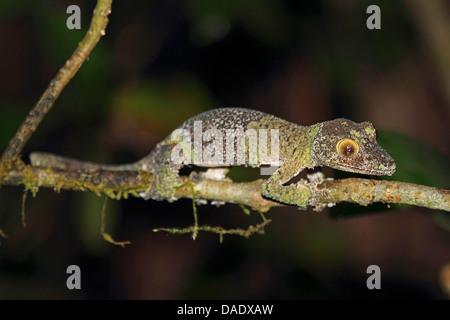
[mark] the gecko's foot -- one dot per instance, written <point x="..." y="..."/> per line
<point x="154" y="194"/>
<point x="302" y="183"/>
<point x="316" y="192"/>
<point x="149" y="194"/>
<point x="218" y="174"/>
<point x="162" y="188"/>
<point x="316" y="176"/>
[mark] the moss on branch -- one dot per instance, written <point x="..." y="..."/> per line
<point x="121" y="184"/>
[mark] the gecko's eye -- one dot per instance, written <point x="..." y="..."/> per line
<point x="347" y="148"/>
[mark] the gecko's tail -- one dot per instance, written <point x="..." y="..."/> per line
<point x="48" y="160"/>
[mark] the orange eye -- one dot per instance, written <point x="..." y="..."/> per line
<point x="347" y="148"/>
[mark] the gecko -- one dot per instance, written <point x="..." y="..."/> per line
<point x="339" y="144"/>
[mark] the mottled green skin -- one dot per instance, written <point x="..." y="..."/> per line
<point x="300" y="147"/>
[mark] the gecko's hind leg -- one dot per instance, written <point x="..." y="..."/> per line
<point x="165" y="182"/>
<point x="165" y="172"/>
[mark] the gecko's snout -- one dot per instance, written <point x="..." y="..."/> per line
<point x="386" y="164"/>
<point x="390" y="167"/>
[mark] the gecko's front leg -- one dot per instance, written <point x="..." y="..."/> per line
<point x="294" y="194"/>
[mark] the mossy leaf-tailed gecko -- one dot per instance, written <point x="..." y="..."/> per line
<point x="340" y="144"/>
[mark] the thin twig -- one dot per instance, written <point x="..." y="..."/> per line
<point x="106" y="235"/>
<point x="64" y="75"/>
<point x="246" y="233"/>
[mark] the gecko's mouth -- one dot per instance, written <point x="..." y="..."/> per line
<point x="389" y="170"/>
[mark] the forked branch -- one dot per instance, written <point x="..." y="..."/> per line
<point x="57" y="84"/>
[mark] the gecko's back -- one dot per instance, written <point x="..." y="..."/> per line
<point x="223" y="137"/>
<point x="225" y="118"/>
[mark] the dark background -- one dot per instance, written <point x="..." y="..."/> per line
<point x="164" y="61"/>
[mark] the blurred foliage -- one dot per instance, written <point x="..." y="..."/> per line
<point x="212" y="20"/>
<point x="10" y="120"/>
<point x="160" y="105"/>
<point x="87" y="221"/>
<point x="442" y="219"/>
<point x="416" y="162"/>
<point x="11" y="8"/>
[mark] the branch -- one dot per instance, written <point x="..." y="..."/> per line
<point x="120" y="184"/>
<point x="64" y="75"/>
<point x="367" y="191"/>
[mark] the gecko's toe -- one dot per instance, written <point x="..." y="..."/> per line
<point x="147" y="194"/>
<point x="264" y="190"/>
<point x="316" y="176"/>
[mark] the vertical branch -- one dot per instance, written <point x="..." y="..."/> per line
<point x="57" y="84"/>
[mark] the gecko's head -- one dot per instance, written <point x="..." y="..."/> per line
<point x="348" y="146"/>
